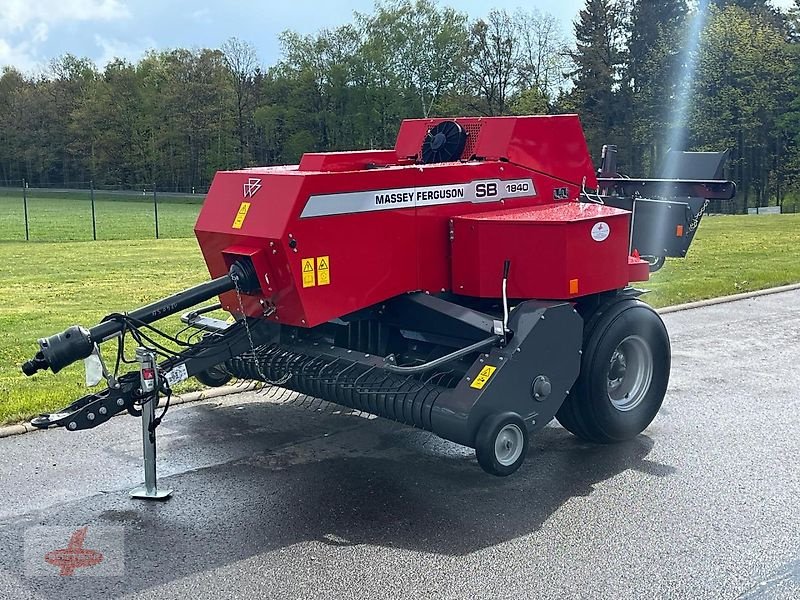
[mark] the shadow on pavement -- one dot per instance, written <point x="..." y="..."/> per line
<point x="375" y="483"/>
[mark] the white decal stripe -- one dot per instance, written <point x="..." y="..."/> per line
<point x="485" y="190"/>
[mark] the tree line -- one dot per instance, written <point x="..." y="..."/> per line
<point x="646" y="75"/>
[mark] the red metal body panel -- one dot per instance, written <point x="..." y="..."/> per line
<point x="434" y="222"/>
<point x="380" y="223"/>
<point x="552" y="145"/>
<point x="554" y="251"/>
<point x="347" y="161"/>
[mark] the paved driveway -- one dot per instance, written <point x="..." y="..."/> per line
<point x="280" y="501"/>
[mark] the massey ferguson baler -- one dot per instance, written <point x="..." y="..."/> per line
<point x="473" y="282"/>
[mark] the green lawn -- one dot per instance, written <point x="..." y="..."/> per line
<point x="45" y="287"/>
<point x="68" y="216"/>
<point x="729" y="255"/>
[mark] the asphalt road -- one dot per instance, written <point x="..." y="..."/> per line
<point x="279" y="501"/>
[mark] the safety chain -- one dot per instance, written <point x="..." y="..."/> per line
<point x="696" y="219"/>
<point x="266" y="379"/>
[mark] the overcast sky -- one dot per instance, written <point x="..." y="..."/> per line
<point x="34" y="31"/>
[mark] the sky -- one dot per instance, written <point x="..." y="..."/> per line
<point x="34" y="31"/>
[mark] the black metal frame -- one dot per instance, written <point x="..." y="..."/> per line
<point x="93" y="409"/>
<point x="666" y="188"/>
<point x="665" y="212"/>
<point x="435" y="348"/>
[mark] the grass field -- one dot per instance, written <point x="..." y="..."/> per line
<point x="45" y="287"/>
<point x="67" y="216"/>
<point x="731" y="254"/>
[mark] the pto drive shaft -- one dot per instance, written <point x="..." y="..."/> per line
<point x="76" y="342"/>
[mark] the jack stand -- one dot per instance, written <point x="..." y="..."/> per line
<point x="148" y="370"/>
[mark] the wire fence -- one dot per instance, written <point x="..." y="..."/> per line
<point x="66" y="213"/>
<point x="739" y="206"/>
<point x="81" y="211"/>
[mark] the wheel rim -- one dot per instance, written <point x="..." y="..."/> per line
<point x="630" y="373"/>
<point x="508" y="445"/>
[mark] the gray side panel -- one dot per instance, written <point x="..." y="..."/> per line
<point x="547" y="341"/>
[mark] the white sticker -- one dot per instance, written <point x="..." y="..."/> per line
<point x="600" y="231"/>
<point x="177" y="374"/>
<point x="93" y="367"/>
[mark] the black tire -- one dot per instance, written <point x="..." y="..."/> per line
<point x="214" y="377"/>
<point x="493" y="430"/>
<point x="655" y="262"/>
<point x="598" y="409"/>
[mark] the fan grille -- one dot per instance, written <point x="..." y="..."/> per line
<point x="472" y="129"/>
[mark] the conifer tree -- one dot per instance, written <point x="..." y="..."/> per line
<point x="599" y="60"/>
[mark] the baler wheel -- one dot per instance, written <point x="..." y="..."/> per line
<point x="655" y="263"/>
<point x="213" y="377"/>
<point x="623" y="377"/>
<point x="501" y="443"/>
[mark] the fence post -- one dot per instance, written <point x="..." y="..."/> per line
<point x="94" y="219"/>
<point x="25" y="208"/>
<point x="155" y="207"/>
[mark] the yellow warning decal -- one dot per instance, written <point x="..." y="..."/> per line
<point x="308" y="273"/>
<point x="483" y="377"/>
<point x="323" y="270"/>
<point x="239" y="220"/>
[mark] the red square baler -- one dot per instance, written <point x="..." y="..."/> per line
<point x="473" y="281"/>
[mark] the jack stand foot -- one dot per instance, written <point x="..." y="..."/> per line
<point x="142" y="493"/>
<point x="149" y="379"/>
